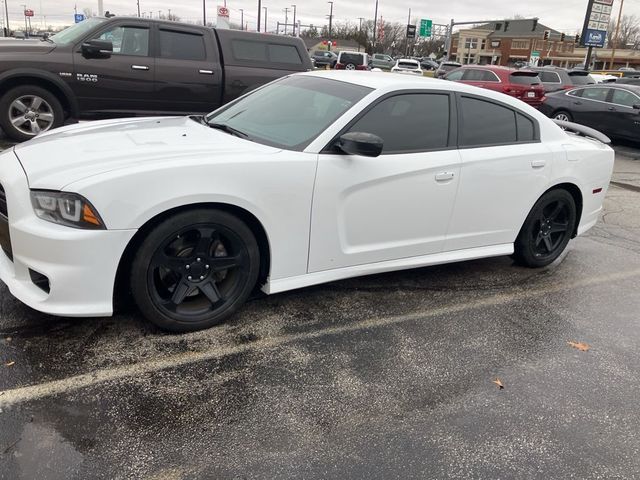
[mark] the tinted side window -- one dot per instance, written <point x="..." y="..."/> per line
<point x="623" y="97"/>
<point x="128" y="40"/>
<point x="526" y="129"/>
<point x="485" y="123"/>
<point x="455" y="76"/>
<point x="245" y="50"/>
<point x="576" y="93"/>
<point x="284" y="54"/>
<point x="409" y="123"/>
<point x="595" y="94"/>
<point x="182" y="45"/>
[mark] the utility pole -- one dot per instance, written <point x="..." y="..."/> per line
<point x="406" y="47"/>
<point x="330" y="26"/>
<point x="260" y="11"/>
<point x="241" y="18"/>
<point x="265" y="20"/>
<point x="294" y="20"/>
<point x="138" y="8"/>
<point x="375" y="27"/>
<point x="24" y="11"/>
<point x="204" y="12"/>
<point x="6" y="11"/>
<point x="286" y="19"/>
<point x="615" y="36"/>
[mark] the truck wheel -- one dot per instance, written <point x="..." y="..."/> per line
<point x="28" y="110"/>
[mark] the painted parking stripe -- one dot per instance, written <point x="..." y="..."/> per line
<point x="34" y="392"/>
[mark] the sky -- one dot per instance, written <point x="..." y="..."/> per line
<point x="562" y="15"/>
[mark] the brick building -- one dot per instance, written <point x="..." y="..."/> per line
<point x="511" y="41"/>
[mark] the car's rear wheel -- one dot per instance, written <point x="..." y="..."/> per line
<point x="194" y="270"/>
<point x="28" y="110"/>
<point x="563" y="116"/>
<point x="547" y="230"/>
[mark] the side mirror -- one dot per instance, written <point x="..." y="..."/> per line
<point x="636" y="106"/>
<point x="360" y="143"/>
<point x="97" y="49"/>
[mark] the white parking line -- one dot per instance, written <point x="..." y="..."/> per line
<point x="66" y="385"/>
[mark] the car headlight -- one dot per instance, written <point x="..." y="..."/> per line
<point x="68" y="209"/>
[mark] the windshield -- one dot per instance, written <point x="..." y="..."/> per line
<point x="77" y="31"/>
<point x="291" y="112"/>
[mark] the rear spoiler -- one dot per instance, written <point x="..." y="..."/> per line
<point x="583" y="131"/>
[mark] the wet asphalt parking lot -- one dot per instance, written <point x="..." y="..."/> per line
<point x="388" y="376"/>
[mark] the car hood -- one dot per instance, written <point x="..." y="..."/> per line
<point x="60" y="157"/>
<point x="25" y="46"/>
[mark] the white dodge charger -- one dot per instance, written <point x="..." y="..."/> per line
<point x="312" y="178"/>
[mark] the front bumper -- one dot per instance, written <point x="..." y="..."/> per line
<point x="81" y="265"/>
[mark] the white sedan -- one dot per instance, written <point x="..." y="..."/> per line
<point x="313" y="178"/>
<point x="407" y="66"/>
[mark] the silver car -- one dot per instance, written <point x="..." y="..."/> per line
<point x="379" y="60"/>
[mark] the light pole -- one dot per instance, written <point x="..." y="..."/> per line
<point x="241" y="18"/>
<point x="204" y="12"/>
<point x="259" y="11"/>
<point x="24" y="12"/>
<point x="138" y="8"/>
<point x="265" y="19"/>
<point x="286" y="19"/>
<point x="375" y="27"/>
<point x="615" y="36"/>
<point x="6" y="11"/>
<point x="330" y="24"/>
<point x="294" y="20"/>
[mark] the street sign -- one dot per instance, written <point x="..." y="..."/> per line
<point x="535" y="54"/>
<point x="78" y="17"/>
<point x="29" y="13"/>
<point x="426" y="26"/>
<point x="596" y="23"/>
<point x="411" y="31"/>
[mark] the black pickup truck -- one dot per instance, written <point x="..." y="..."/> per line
<point x="121" y="66"/>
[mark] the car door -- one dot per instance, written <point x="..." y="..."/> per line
<point x="188" y="70"/>
<point x="397" y="205"/>
<point x="621" y="114"/>
<point x="592" y="108"/>
<point x="124" y="82"/>
<point x="504" y="169"/>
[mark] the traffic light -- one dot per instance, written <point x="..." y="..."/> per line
<point x="562" y="37"/>
<point x="535" y="24"/>
<point x="547" y="34"/>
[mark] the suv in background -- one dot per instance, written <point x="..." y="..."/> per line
<point x="557" y="78"/>
<point x="380" y="60"/>
<point x="522" y="84"/>
<point x="352" y="61"/>
<point x="446" y="67"/>
<point x="323" y="58"/>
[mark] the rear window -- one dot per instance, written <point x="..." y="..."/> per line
<point x="525" y="78"/>
<point x="549" y="77"/>
<point x="408" y="65"/>
<point x="284" y="54"/>
<point x="581" y="79"/>
<point x="354" y="58"/>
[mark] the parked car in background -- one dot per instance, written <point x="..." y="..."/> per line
<point x="600" y="78"/>
<point x="380" y="60"/>
<point x="135" y="66"/>
<point x="352" y="61"/>
<point x="408" y="66"/>
<point x="445" y="67"/>
<point x="324" y="58"/>
<point x="429" y="64"/>
<point x="286" y="188"/>
<point x="522" y="84"/>
<point x="628" y="81"/>
<point x="613" y="109"/>
<point x="557" y="78"/>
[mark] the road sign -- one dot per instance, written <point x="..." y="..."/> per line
<point x="79" y="17"/>
<point x="596" y="23"/>
<point x="29" y="13"/>
<point x="426" y="26"/>
<point x="535" y="54"/>
<point x="411" y="31"/>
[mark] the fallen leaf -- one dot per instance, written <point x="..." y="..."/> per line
<point x="498" y="383"/>
<point x="583" y="347"/>
<point x="9" y="364"/>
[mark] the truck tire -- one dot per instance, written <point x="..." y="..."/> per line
<point x="28" y="110"/>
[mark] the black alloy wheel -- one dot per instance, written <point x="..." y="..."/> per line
<point x="547" y="230"/>
<point x="194" y="270"/>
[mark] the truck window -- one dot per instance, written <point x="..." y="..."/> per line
<point x="182" y="45"/>
<point x="246" y="50"/>
<point x="284" y="54"/>
<point x="128" y="40"/>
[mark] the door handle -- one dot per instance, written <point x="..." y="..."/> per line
<point x="206" y="72"/>
<point x="445" y="176"/>
<point x="139" y="67"/>
<point x="577" y="103"/>
<point x="612" y="109"/>
<point x="538" y="163"/>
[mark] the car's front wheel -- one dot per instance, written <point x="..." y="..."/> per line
<point x="547" y="230"/>
<point x="194" y="270"/>
<point x="28" y="110"/>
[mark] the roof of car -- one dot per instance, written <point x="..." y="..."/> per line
<point x="624" y="86"/>
<point x="497" y="68"/>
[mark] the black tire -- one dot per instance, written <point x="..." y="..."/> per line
<point x="50" y="101"/>
<point x="350" y="66"/>
<point x="194" y="270"/>
<point x="560" y="113"/>
<point x="547" y="230"/>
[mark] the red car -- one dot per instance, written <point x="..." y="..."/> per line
<point x="522" y="84"/>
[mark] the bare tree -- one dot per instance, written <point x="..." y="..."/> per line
<point x="628" y="35"/>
